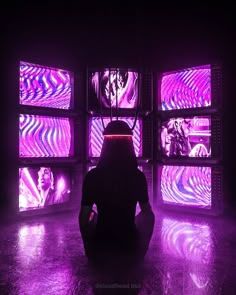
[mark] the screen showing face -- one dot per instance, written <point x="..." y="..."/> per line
<point x="44" y="136"/>
<point x="43" y="186"/>
<point x="96" y="135"/>
<point x="45" y="87"/>
<point x="190" y="88"/>
<point x="190" y="137"/>
<point x="186" y="186"/>
<point x="114" y="88"/>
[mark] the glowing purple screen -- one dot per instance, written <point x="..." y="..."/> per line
<point x="186" y="240"/>
<point x="43" y="186"/>
<point x="42" y="136"/>
<point x="96" y="135"/>
<point x="190" y="88"/>
<point x="115" y="87"/>
<point x="45" y="87"/>
<point x="186" y="185"/>
<point x="186" y="137"/>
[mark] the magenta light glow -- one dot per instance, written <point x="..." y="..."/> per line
<point x="115" y="88"/>
<point x="45" y="87"/>
<point x="43" y="186"/>
<point x="186" y="186"/>
<point x="189" y="241"/>
<point x="96" y="135"/>
<point x="189" y="88"/>
<point x="31" y="248"/>
<point x="186" y="136"/>
<point x="42" y="136"/>
<point x="30" y="240"/>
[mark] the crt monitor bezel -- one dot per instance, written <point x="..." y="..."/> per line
<point x="53" y="68"/>
<point x="53" y="208"/>
<point x="215" y="86"/>
<point x="72" y="123"/>
<point x="217" y="202"/>
<point x="216" y="138"/>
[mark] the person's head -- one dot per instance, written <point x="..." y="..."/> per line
<point x="118" y="149"/>
<point x="45" y="179"/>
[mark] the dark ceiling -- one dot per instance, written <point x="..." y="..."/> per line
<point x="131" y="34"/>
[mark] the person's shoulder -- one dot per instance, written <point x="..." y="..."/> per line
<point x="92" y="173"/>
<point x="140" y="172"/>
<point x="141" y="176"/>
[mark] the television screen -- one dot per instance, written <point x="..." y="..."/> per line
<point x="187" y="88"/>
<point x="113" y="87"/>
<point x="45" y="136"/>
<point x="42" y="186"/>
<point x="45" y="87"/>
<point x="95" y="139"/>
<point x="189" y="186"/>
<point x="186" y="137"/>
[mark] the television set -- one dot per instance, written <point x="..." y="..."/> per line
<point x="95" y="134"/>
<point x="112" y="88"/>
<point x="43" y="186"/>
<point x="122" y="90"/>
<point x="190" y="188"/>
<point x="190" y="137"/>
<point x="45" y="136"/>
<point x="46" y="87"/>
<point x="190" y="88"/>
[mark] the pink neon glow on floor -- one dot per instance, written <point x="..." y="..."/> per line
<point x="187" y="255"/>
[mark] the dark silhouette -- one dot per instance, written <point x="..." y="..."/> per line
<point x="115" y="186"/>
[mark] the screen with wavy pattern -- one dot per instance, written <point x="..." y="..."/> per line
<point x="45" y="87"/>
<point x="113" y="88"/>
<point x="96" y="135"/>
<point x="188" y="88"/>
<point x="43" y="186"/>
<point x="45" y="136"/>
<point x="186" y="186"/>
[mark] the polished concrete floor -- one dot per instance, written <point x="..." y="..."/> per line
<point x="187" y="255"/>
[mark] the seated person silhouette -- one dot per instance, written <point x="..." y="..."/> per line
<point x="116" y="186"/>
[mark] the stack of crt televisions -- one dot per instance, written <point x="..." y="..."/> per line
<point x="48" y="145"/>
<point x="118" y="93"/>
<point x="188" y="140"/>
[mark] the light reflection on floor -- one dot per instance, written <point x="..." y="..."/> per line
<point x="187" y="255"/>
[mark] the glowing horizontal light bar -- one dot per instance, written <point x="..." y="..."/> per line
<point x="117" y="135"/>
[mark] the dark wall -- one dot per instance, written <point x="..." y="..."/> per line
<point x="158" y="38"/>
